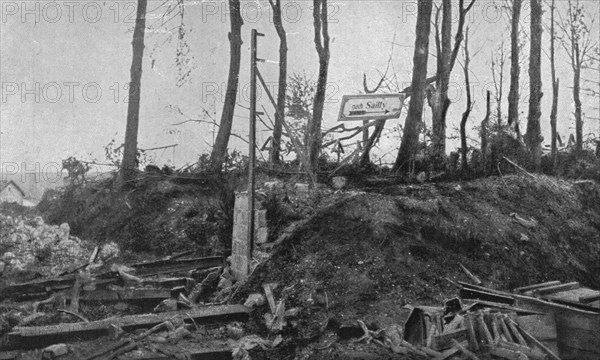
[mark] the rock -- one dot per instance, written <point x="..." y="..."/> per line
<point x="166" y="305"/>
<point x="339" y="182"/>
<point x="115" y="331"/>
<point x="108" y="251"/>
<point x="180" y="333"/>
<point x="271" y="185"/>
<point x="54" y="351"/>
<point x="301" y="187"/>
<point x="254" y="300"/>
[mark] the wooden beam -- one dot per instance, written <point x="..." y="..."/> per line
<point x="527" y="288"/>
<point x="556" y="288"/>
<point x="41" y="336"/>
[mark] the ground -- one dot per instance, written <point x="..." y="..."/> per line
<point x="365" y="253"/>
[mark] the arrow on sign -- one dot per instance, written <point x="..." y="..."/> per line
<point x="371" y="107"/>
<point x="364" y="112"/>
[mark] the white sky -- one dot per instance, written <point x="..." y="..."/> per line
<point x="72" y="46"/>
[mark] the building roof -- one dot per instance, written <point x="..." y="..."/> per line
<point x="4" y="184"/>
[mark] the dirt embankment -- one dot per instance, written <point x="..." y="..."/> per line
<point x="369" y="254"/>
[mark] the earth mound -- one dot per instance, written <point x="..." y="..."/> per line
<point x="369" y="254"/>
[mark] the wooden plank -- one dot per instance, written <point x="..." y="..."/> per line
<point x="508" y="354"/>
<point x="556" y="288"/>
<point x="532" y="353"/>
<point x="574" y="320"/>
<point x="471" y="333"/>
<point x="573" y="294"/>
<point x="533" y="340"/>
<point x="204" y="354"/>
<point x="543" y="327"/>
<point x="126" y="295"/>
<point x="524" y="289"/>
<point x="448" y="353"/>
<point x="590" y="298"/>
<point x="515" y="331"/>
<point x="444" y="341"/>
<point x="476" y="294"/>
<point x="40" y="336"/>
<point x="581" y="339"/>
<point x="504" y="328"/>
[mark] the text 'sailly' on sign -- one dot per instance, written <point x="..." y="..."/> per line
<point x="371" y="107"/>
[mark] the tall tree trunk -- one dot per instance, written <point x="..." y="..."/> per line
<point x="465" y="115"/>
<point x="484" y="132"/>
<point x="440" y="100"/>
<point x="533" y="138"/>
<point x="283" y="49"/>
<point x="513" y="94"/>
<point x="410" y="136"/>
<point x="129" y="163"/>
<point x="322" y="46"/>
<point x="578" y="114"/>
<point x="219" y="151"/>
<point x="555" y="85"/>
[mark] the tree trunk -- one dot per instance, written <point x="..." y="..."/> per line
<point x="440" y="99"/>
<point x="484" y="131"/>
<point x="533" y="138"/>
<point x="129" y="163"/>
<point x="322" y="46"/>
<point x="555" y="85"/>
<point x="219" y="151"/>
<point x="365" y="158"/>
<point x="578" y="115"/>
<point x="513" y="94"/>
<point x="283" y="49"/>
<point x="465" y="115"/>
<point x="410" y="136"/>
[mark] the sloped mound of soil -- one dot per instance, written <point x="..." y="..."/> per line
<point x="159" y="215"/>
<point x="369" y="254"/>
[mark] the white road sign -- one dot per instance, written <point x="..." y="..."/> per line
<point x="371" y="107"/>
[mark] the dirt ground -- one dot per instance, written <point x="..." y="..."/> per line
<point x="367" y="253"/>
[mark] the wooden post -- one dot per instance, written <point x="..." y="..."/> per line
<point x="252" y="147"/>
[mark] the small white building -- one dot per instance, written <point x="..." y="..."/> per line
<point x="11" y="192"/>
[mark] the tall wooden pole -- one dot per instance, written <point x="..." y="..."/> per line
<point x="252" y="146"/>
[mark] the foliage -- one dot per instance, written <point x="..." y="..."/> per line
<point x="114" y="154"/>
<point x="76" y="170"/>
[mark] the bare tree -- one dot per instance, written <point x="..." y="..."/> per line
<point x="467" y="112"/>
<point x="274" y="155"/>
<point x="577" y="42"/>
<point x="498" y="62"/>
<point x="446" y="57"/>
<point x="484" y="133"/>
<point x="219" y="150"/>
<point x="129" y="163"/>
<point x="322" y="46"/>
<point x="555" y="87"/>
<point x="533" y="137"/>
<point x="515" y="69"/>
<point x="410" y="136"/>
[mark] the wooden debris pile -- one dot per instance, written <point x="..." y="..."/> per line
<point x="162" y="297"/>
<point x="478" y="330"/>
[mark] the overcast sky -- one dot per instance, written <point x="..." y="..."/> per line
<point x="65" y="67"/>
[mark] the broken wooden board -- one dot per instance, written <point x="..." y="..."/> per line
<point x="126" y="295"/>
<point x="444" y="341"/>
<point x="204" y="354"/>
<point x="41" y="336"/>
<point x="175" y="266"/>
<point x="40" y="289"/>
